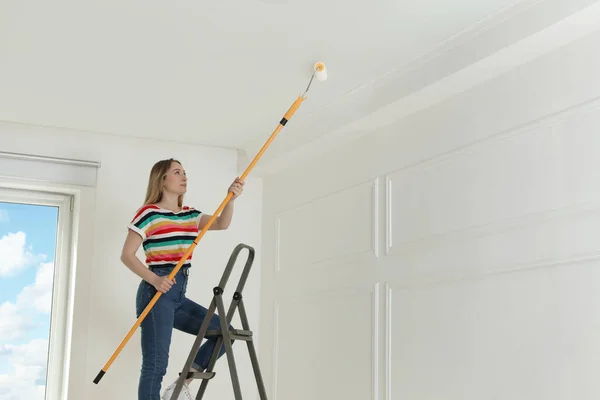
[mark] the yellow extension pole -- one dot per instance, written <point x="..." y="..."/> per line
<point x="137" y="323"/>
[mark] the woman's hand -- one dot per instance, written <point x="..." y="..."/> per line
<point x="237" y="187"/>
<point x="162" y="283"/>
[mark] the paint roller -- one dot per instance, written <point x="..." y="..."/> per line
<point x="319" y="72"/>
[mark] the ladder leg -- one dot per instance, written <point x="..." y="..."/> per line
<point x="252" y="351"/>
<point x="211" y="365"/>
<point x="229" y="349"/>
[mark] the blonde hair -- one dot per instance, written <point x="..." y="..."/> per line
<point x="155" y="182"/>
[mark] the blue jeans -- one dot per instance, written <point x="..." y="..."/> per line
<point x="172" y="310"/>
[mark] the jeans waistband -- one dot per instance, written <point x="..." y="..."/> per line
<point x="185" y="269"/>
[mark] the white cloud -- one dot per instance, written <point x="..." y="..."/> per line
<point x="39" y="294"/>
<point x="14" y="255"/>
<point x="16" y="318"/>
<point x="13" y="323"/>
<point x="32" y="354"/>
<point x="28" y="378"/>
<point x="4" y="218"/>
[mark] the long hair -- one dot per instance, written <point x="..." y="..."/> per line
<point x="155" y="182"/>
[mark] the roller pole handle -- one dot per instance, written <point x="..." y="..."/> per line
<point x="190" y="249"/>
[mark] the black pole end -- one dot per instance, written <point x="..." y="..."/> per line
<point x="99" y="376"/>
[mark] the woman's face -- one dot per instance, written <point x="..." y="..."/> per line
<point x="175" y="181"/>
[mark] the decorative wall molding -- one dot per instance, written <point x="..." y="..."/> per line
<point x="376" y="321"/>
<point x="498" y="226"/>
<point x="375" y="217"/>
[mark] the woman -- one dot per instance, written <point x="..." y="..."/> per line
<point x="167" y="228"/>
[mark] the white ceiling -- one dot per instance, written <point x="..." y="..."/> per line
<point x="218" y="73"/>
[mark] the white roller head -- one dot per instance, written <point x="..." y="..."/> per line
<point x="320" y="71"/>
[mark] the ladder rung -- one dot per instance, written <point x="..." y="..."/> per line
<point x="199" y="375"/>
<point x="237" y="332"/>
<point x="243" y="338"/>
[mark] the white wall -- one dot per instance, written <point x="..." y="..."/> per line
<point x="453" y="255"/>
<point x="105" y="288"/>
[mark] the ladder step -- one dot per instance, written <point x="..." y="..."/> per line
<point x="199" y="375"/>
<point x="236" y="332"/>
<point x="242" y="338"/>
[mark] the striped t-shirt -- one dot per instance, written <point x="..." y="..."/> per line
<point x="166" y="234"/>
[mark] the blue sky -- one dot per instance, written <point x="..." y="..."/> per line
<point x="39" y="224"/>
<point x="27" y="247"/>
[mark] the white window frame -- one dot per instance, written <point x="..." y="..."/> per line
<point x="61" y="317"/>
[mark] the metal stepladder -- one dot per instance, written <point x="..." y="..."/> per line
<point x="225" y="335"/>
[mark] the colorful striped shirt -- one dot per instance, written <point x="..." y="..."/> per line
<point x="166" y="234"/>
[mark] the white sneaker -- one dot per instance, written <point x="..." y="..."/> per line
<point x="183" y="395"/>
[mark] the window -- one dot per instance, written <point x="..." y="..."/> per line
<point x="36" y="278"/>
<point x="57" y="197"/>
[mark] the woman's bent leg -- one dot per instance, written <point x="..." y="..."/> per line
<point x="188" y="318"/>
